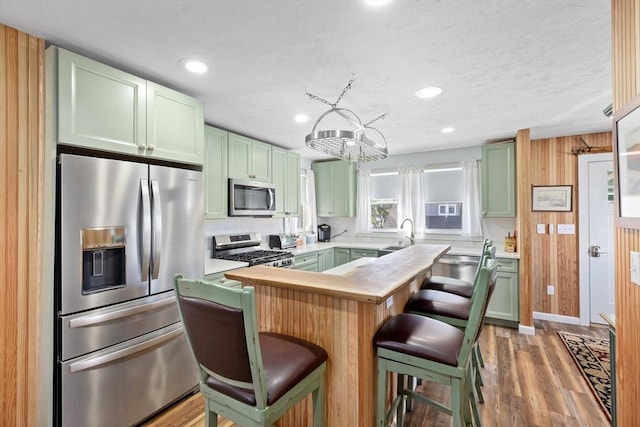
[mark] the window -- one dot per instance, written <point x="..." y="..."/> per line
<point x="384" y="201"/>
<point x="444" y="192"/>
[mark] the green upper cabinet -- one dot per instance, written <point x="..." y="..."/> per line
<point x="335" y="188"/>
<point x="215" y="172"/>
<point x="98" y="106"/>
<point x="175" y="125"/>
<point x="103" y="108"/>
<point x="498" y="177"/>
<point x="249" y="159"/>
<point x="286" y="179"/>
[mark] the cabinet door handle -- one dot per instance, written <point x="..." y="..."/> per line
<point x="150" y="147"/>
<point x="142" y="147"/>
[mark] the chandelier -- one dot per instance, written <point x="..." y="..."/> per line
<point x="355" y="144"/>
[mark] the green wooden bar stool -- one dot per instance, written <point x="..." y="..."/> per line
<point x="422" y="347"/>
<point x="454" y="310"/>
<point x="251" y="378"/>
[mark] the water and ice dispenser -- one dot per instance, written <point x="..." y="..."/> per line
<point x="103" y="259"/>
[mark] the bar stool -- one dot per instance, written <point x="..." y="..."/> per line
<point x="251" y="378"/>
<point x="454" y="310"/>
<point x="418" y="346"/>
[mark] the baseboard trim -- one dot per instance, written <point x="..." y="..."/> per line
<point x="570" y="320"/>
<point x="527" y="330"/>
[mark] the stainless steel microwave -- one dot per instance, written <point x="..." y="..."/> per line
<point x="251" y="198"/>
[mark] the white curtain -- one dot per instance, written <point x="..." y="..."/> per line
<point x="471" y="208"/>
<point x="411" y="200"/>
<point x="363" y="215"/>
<point x="309" y="213"/>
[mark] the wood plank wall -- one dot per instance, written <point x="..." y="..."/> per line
<point x="523" y="203"/>
<point x="626" y="82"/>
<point x="555" y="256"/>
<point x="21" y="143"/>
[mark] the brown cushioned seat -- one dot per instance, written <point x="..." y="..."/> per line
<point x="439" y="303"/>
<point x="422" y="337"/>
<point x="449" y="284"/>
<point x="286" y="360"/>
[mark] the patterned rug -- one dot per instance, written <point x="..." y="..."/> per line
<point x="592" y="357"/>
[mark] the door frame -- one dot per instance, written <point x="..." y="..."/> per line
<point x="583" y="231"/>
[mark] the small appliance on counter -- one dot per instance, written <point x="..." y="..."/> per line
<point x="324" y="233"/>
<point x="282" y="241"/>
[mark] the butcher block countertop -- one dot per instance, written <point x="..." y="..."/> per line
<point x="372" y="282"/>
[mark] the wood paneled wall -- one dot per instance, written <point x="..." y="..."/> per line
<point x="21" y="142"/>
<point x="555" y="256"/>
<point x="626" y="82"/>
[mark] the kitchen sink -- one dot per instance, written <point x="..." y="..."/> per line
<point x="393" y="248"/>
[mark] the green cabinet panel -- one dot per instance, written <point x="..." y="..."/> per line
<point x="307" y="262"/>
<point x="285" y="176"/>
<point x="175" y="125"/>
<point x="215" y="173"/>
<point x="219" y="279"/>
<point x="98" y="106"/>
<point x="325" y="259"/>
<point x="362" y="253"/>
<point x="335" y="188"/>
<point x="249" y="159"/>
<point x="498" y="180"/>
<point x="505" y="302"/>
<point x="341" y="256"/>
<point x="103" y="108"/>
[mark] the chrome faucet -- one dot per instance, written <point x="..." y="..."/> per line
<point x="412" y="237"/>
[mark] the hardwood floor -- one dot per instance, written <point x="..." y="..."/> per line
<point x="529" y="381"/>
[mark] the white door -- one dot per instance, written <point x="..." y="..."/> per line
<point x="597" y="284"/>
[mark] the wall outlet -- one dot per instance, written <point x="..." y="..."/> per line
<point x="540" y="228"/>
<point x="390" y="301"/>
<point x="551" y="290"/>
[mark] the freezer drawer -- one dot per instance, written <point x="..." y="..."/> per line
<point x="124" y="384"/>
<point x="90" y="331"/>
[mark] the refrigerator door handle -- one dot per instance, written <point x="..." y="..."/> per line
<point x="156" y="241"/>
<point x="144" y="231"/>
<point x="121" y="354"/>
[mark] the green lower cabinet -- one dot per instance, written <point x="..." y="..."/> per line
<point x="325" y="259"/>
<point x="341" y="256"/>
<point x="307" y="262"/>
<point x="219" y="279"/>
<point x="504" y="307"/>
<point x="362" y="253"/>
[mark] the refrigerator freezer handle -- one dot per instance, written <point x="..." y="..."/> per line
<point x="144" y="231"/>
<point x="156" y="242"/>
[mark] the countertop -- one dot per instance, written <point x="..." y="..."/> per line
<point x="214" y="266"/>
<point x="372" y="282"/>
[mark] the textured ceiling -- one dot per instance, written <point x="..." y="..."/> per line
<point x="502" y="65"/>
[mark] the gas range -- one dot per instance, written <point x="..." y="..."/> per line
<point x="242" y="248"/>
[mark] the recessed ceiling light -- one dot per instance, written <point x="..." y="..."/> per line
<point x="428" y="92"/>
<point x="447" y="130"/>
<point x="301" y="118"/>
<point x="194" y="66"/>
<point x="377" y="3"/>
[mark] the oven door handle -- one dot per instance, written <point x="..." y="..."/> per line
<point x="126" y="352"/>
<point x="144" y="231"/>
<point x="95" y="319"/>
<point x="156" y="240"/>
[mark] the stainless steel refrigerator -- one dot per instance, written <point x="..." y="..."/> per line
<point x="124" y="229"/>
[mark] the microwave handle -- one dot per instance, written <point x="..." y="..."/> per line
<point x="271" y="198"/>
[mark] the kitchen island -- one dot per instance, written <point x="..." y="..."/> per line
<point x="341" y="313"/>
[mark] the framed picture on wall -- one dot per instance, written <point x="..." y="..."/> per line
<point x="626" y="136"/>
<point x="551" y="198"/>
